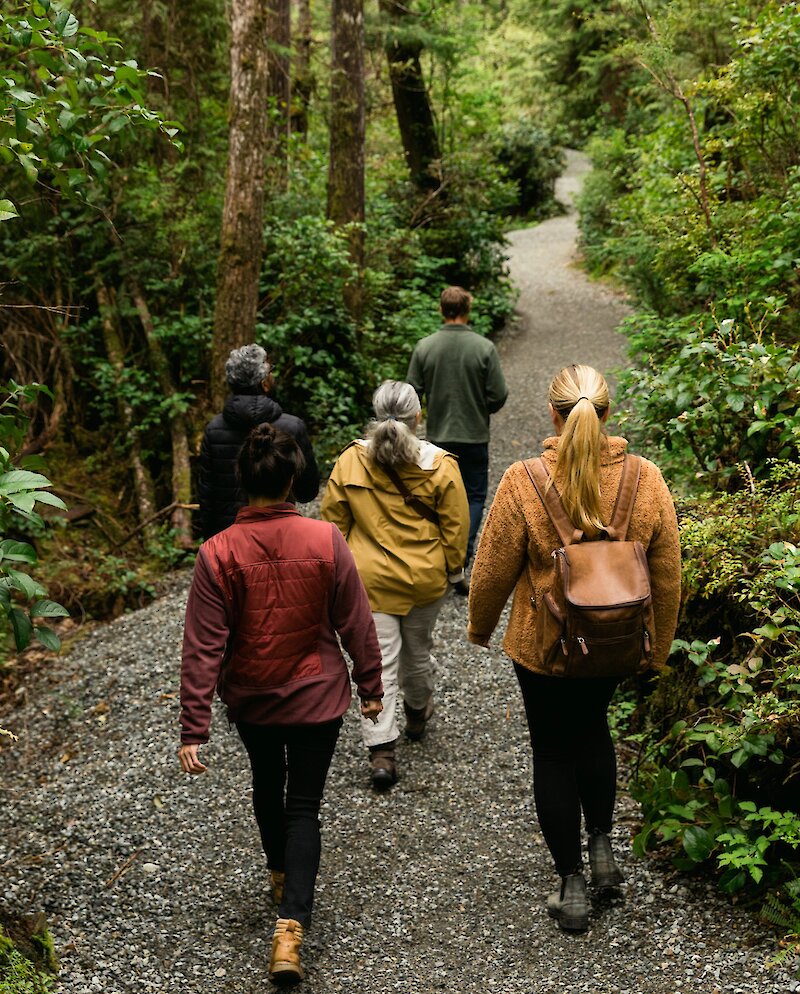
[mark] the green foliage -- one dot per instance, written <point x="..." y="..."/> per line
<point x="21" y="962"/>
<point x="64" y="99"/>
<point x="307" y="328"/>
<point x="716" y="397"/>
<point x="719" y="777"/>
<point x="23" y="599"/>
<point x="533" y="161"/>
<point x="782" y="910"/>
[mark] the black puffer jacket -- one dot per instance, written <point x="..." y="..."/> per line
<point x="218" y="489"/>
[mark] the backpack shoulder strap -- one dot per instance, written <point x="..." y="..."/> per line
<point x="626" y="495"/>
<point x="419" y="506"/>
<point x="549" y="496"/>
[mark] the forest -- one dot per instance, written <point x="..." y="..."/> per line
<point x="178" y="179"/>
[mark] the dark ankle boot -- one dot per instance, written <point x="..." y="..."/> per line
<point x="569" y="905"/>
<point x="417" y="719"/>
<point x="384" y="768"/>
<point x="606" y="875"/>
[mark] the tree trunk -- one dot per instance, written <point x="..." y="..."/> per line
<point x="240" y="249"/>
<point x="142" y="480"/>
<point x="411" y="102"/>
<point x="347" y="130"/>
<point x="279" y="40"/>
<point x="180" y="518"/>
<point x="302" y="79"/>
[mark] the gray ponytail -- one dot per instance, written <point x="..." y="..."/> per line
<point x="391" y="434"/>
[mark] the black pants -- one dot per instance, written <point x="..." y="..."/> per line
<point x="473" y="461"/>
<point x="574" y="764"/>
<point x="290" y="765"/>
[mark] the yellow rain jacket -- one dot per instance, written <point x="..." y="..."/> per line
<point x="403" y="559"/>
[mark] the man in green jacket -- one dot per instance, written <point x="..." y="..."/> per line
<point x="458" y="372"/>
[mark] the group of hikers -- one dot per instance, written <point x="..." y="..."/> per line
<point x="276" y="596"/>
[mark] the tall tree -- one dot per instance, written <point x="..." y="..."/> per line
<point x="279" y="40"/>
<point x="412" y="104"/>
<point x="302" y="78"/>
<point x="347" y="127"/>
<point x="241" y="242"/>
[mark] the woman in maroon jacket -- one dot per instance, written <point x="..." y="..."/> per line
<point x="268" y="597"/>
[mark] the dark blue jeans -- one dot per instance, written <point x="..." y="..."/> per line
<point x="290" y="765"/>
<point x="473" y="461"/>
<point x="574" y="764"/>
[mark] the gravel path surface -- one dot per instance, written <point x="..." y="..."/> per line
<point x="155" y="882"/>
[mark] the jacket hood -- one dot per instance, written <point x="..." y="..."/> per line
<point x="243" y="411"/>
<point x="613" y="449"/>
<point x="366" y="473"/>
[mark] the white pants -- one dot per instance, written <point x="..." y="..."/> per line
<point x="405" y="642"/>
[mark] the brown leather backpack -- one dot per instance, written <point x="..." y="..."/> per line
<point x="597" y="616"/>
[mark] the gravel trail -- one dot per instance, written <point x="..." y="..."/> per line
<point x="154" y="882"/>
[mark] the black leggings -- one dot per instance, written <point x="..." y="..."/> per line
<point x="290" y="765"/>
<point x="574" y="765"/>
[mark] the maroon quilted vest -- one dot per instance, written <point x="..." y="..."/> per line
<point x="275" y="569"/>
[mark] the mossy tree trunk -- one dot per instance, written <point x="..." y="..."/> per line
<point x="142" y="480"/>
<point x="302" y="78"/>
<point x="411" y="102"/>
<point x="240" y="250"/>
<point x="279" y="88"/>
<point x="347" y="130"/>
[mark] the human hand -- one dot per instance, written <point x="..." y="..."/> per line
<point x="371" y="709"/>
<point x="187" y="754"/>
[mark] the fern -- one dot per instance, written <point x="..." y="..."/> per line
<point x="783" y="911"/>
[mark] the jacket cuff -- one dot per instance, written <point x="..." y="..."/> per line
<point x="478" y="638"/>
<point x="189" y="738"/>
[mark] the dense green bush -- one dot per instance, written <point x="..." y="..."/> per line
<point x="533" y="161"/>
<point x="720" y="770"/>
<point x="716" y="397"/>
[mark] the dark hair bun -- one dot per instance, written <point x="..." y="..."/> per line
<point x="264" y="433"/>
<point x="268" y="460"/>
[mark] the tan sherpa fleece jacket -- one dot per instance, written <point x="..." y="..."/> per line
<point x="519" y="533"/>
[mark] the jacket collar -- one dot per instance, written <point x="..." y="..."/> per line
<point x="254" y="514"/>
<point x="243" y="410"/>
<point x="612" y="451"/>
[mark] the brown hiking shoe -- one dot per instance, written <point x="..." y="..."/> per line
<point x="417" y="719"/>
<point x="284" y="965"/>
<point x="384" y="769"/>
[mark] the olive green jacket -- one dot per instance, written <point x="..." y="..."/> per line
<point x="458" y="372"/>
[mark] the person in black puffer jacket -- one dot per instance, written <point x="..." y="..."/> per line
<point x="250" y="380"/>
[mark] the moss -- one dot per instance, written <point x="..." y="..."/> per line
<point x="27" y="955"/>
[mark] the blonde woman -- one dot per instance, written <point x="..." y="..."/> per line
<point x="574" y="765"/>
<point x="401" y="505"/>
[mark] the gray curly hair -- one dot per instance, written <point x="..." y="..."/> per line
<point x="247" y="368"/>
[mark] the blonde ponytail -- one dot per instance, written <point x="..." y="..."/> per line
<point x="580" y="396"/>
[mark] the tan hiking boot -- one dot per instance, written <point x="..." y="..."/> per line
<point x="284" y="965"/>
<point x="278" y="878"/>
<point x="417" y="719"/>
